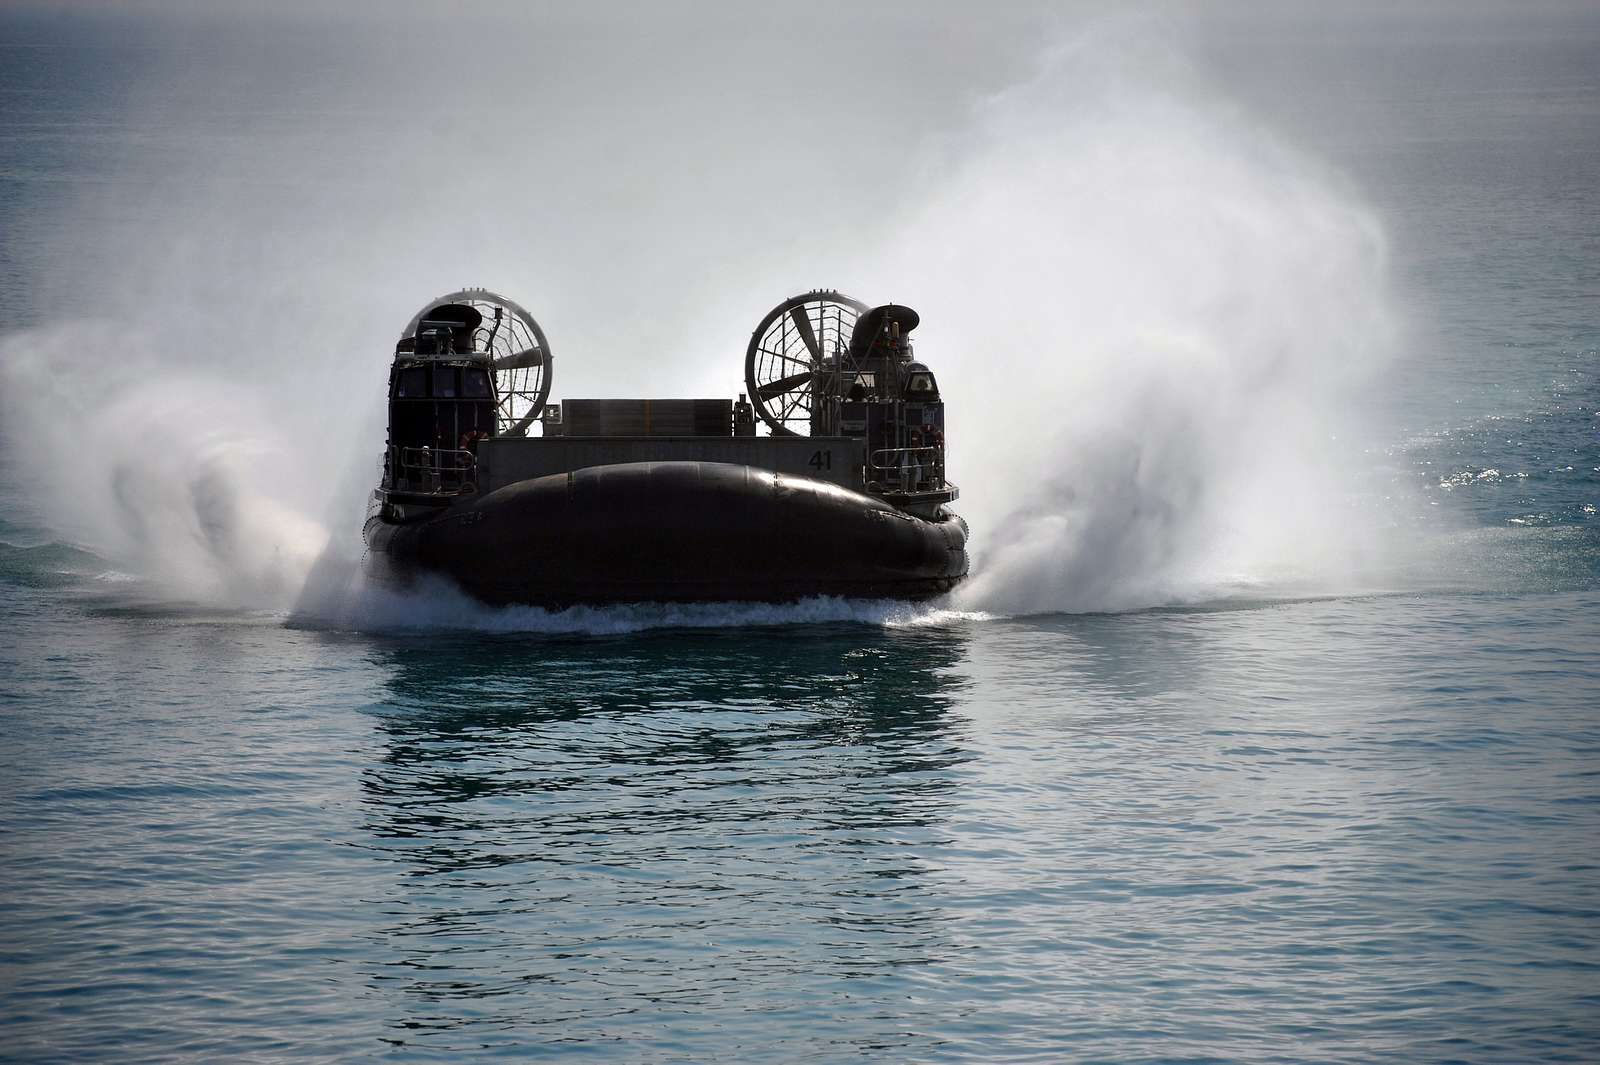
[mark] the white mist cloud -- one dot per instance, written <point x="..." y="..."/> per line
<point x="175" y="475"/>
<point x="1153" y="320"/>
<point x="1149" y="315"/>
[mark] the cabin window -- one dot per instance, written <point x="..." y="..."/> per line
<point x="475" y="384"/>
<point x="920" y="384"/>
<point x="444" y="382"/>
<point x="413" y="384"/>
<point x="411" y="425"/>
<point x="864" y="385"/>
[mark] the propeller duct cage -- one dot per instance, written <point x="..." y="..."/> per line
<point x="519" y="355"/>
<point x="801" y="343"/>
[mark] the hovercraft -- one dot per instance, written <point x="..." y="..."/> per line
<point x="593" y="501"/>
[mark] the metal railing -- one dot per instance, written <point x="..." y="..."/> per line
<point x="907" y="469"/>
<point x="434" y="471"/>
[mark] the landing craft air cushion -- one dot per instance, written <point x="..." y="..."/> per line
<point x="668" y="500"/>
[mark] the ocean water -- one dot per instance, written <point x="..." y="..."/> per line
<point x="1263" y="820"/>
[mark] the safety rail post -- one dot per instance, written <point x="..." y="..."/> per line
<point x="437" y="471"/>
<point x="921" y="459"/>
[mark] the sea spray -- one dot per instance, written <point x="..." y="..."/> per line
<point x="1148" y="314"/>
<point x="177" y="475"/>
<point x="1153" y="319"/>
<point x="201" y="399"/>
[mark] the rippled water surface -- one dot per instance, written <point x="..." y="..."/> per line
<point x="1333" y="830"/>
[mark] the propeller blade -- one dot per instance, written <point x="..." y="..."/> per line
<point x="522" y="426"/>
<point x="802" y="325"/>
<point x="518" y="359"/>
<point x="782" y="385"/>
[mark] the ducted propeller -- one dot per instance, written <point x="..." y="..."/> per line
<point x="488" y="323"/>
<point x="795" y="343"/>
<point x="519" y="360"/>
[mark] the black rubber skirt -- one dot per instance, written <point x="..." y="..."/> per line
<point x="676" y="532"/>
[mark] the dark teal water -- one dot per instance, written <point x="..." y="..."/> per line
<point x="1342" y="828"/>
<point x="1337" y="830"/>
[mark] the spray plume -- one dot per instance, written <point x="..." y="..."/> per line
<point x="1148" y="314"/>
<point x="1154" y="321"/>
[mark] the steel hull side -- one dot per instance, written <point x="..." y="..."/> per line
<point x="677" y="532"/>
